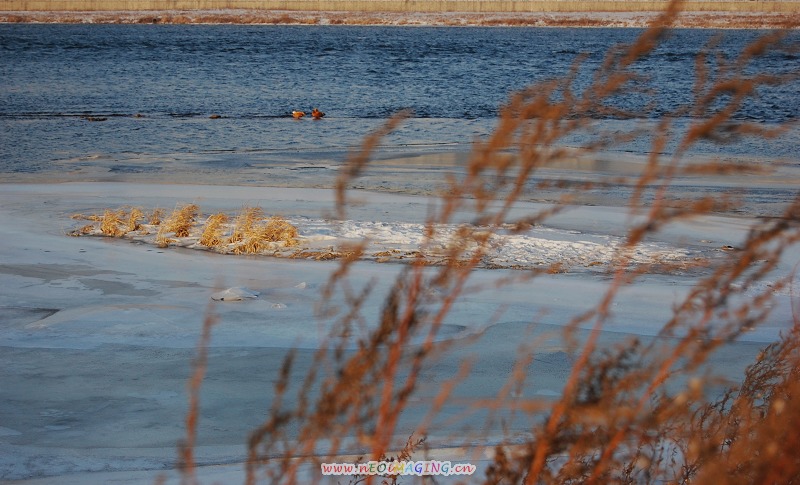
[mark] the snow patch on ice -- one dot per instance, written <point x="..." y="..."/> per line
<point x="503" y="247"/>
<point x="235" y="294"/>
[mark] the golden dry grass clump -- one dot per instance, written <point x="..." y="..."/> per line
<point x="253" y="234"/>
<point x="245" y="223"/>
<point x="181" y="220"/>
<point x="278" y="229"/>
<point x="179" y="223"/>
<point x="156" y="217"/>
<point x="213" y="236"/>
<point x="112" y="223"/>
<point x="134" y="216"/>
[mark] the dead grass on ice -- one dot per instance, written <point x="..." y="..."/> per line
<point x="250" y="233"/>
<point x="253" y="233"/>
<point x="178" y="224"/>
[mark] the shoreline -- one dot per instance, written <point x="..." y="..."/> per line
<point x="710" y="20"/>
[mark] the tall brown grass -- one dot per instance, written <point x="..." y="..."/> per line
<point x="637" y="412"/>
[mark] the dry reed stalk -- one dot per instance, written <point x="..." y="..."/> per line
<point x="186" y="447"/>
<point x="753" y="429"/>
<point x="357" y="161"/>
<point x="405" y="454"/>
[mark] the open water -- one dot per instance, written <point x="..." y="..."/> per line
<point x="157" y="87"/>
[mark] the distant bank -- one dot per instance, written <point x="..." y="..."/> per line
<point x="400" y="6"/>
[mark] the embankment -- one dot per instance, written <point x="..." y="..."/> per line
<point x="402" y="6"/>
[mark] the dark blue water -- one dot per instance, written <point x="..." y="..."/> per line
<point x="157" y="85"/>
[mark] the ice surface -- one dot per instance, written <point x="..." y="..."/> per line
<point x="98" y="334"/>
